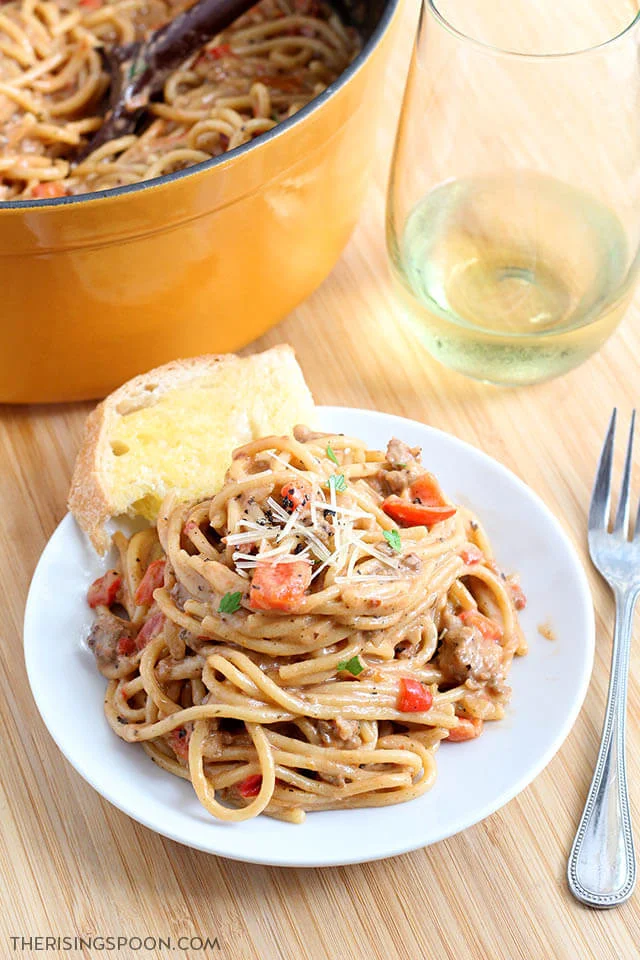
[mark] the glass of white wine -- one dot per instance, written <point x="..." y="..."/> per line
<point x="513" y="215"/>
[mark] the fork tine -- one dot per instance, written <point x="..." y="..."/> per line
<point x="622" y="515"/>
<point x="601" y="496"/>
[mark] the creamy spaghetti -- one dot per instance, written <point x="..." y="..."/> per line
<point x="265" y="67"/>
<point x="306" y="638"/>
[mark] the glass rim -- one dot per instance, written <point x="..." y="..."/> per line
<point x="503" y="51"/>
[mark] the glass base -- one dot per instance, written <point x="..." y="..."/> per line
<point x="504" y="359"/>
<point x="502" y="366"/>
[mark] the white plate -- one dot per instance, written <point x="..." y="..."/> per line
<point x="474" y="779"/>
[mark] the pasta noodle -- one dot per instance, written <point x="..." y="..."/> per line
<point x="260" y="71"/>
<point x="305" y="639"/>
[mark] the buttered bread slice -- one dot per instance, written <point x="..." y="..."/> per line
<point x="175" y="428"/>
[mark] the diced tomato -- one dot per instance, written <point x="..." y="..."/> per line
<point x="179" y="742"/>
<point x="410" y="514"/>
<point x="217" y="53"/>
<point x="414" y="697"/>
<point x="48" y="190"/>
<point x="518" y="595"/>
<point x="150" y="629"/>
<point x="90" y="4"/>
<point x="427" y="490"/>
<point x="153" y="578"/>
<point x="104" y="590"/>
<point x="290" y="83"/>
<point x="468" y="729"/>
<point x="296" y="494"/>
<point x="471" y="554"/>
<point x="489" y="629"/>
<point x="279" y="586"/>
<point x="126" y="646"/>
<point x="250" y="786"/>
<point x="425" y="507"/>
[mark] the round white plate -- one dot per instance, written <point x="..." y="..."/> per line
<point x="474" y="779"/>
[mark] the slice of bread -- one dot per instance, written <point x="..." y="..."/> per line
<point x="175" y="428"/>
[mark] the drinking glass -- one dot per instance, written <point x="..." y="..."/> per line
<point x="513" y="214"/>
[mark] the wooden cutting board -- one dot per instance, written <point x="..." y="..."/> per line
<point x="73" y="865"/>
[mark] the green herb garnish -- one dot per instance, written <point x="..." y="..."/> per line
<point x="230" y="603"/>
<point x="337" y="482"/>
<point x="354" y="665"/>
<point x="393" y="539"/>
<point x="136" y="67"/>
<point x="332" y="455"/>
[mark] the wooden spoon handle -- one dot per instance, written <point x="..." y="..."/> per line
<point x="138" y="71"/>
<point x="170" y="46"/>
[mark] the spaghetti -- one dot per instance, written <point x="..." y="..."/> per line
<point x="264" y="68"/>
<point x="304" y="639"/>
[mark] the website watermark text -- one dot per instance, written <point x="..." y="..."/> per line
<point x="20" y="944"/>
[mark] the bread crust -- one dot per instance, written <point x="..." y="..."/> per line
<point x="89" y="497"/>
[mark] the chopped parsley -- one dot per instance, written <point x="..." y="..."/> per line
<point x="354" y="665"/>
<point x="393" y="539"/>
<point x="337" y="482"/>
<point x="136" y="67"/>
<point x="230" y="603"/>
<point x="332" y="455"/>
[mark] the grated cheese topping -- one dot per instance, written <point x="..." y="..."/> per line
<point x="289" y="537"/>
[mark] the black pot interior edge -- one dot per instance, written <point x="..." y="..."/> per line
<point x="364" y="15"/>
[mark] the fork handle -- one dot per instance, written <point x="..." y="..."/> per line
<point x="602" y="864"/>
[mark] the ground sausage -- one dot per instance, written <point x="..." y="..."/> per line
<point x="400" y="453"/>
<point x="466" y="655"/>
<point x="107" y="634"/>
<point x="343" y="734"/>
<point x="406" y="467"/>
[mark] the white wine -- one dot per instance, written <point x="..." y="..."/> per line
<point x="512" y="279"/>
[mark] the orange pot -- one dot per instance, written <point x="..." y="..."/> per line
<point x="97" y="289"/>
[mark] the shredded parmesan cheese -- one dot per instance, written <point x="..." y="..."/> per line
<point x="287" y="537"/>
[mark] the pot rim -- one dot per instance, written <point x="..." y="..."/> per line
<point x="198" y="168"/>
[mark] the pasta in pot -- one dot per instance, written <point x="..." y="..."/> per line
<point x="305" y="639"/>
<point x="265" y="67"/>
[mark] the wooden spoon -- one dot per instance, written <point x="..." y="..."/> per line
<point x="138" y="70"/>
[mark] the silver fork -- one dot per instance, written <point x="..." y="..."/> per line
<point x="602" y="864"/>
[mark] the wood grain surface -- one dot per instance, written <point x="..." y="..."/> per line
<point x="73" y="865"/>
